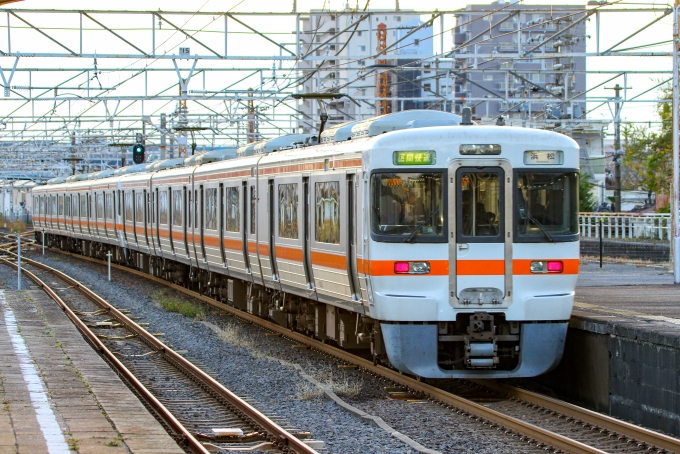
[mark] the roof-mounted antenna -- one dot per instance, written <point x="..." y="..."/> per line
<point x="467" y="116"/>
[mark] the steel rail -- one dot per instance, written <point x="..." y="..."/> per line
<point x="588" y="416"/>
<point x="526" y="429"/>
<point x="282" y="436"/>
<point x="151" y="400"/>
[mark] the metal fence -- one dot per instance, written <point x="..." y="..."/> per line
<point x="644" y="226"/>
<point x="12" y="216"/>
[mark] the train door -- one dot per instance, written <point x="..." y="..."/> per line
<point x="221" y="224"/>
<point x="145" y="215"/>
<point x="156" y="222"/>
<point x="329" y="238"/>
<point x="245" y="225"/>
<point x="201" y="221"/>
<point x="130" y="219"/>
<point x="306" y="228"/>
<point x="173" y="217"/>
<point x="251" y="232"/>
<point x="186" y="202"/>
<point x="480" y="242"/>
<point x="272" y="273"/>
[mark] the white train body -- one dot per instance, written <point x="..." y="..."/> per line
<point x="449" y="251"/>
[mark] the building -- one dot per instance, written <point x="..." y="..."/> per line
<point x="518" y="61"/>
<point x="341" y="55"/>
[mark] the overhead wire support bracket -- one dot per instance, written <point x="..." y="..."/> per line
<point x="7" y="82"/>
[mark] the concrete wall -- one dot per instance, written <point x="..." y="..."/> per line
<point x="655" y="252"/>
<point x="623" y="367"/>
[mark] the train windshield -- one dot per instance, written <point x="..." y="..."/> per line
<point x="547" y="206"/>
<point x="407" y="206"/>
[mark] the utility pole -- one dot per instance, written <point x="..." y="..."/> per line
<point x="618" y="153"/>
<point x="164" y="144"/>
<point x="676" y="146"/>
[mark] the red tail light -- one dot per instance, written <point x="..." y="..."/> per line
<point x="555" y="267"/>
<point x="401" y="267"/>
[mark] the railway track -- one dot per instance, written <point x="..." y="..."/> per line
<point x="547" y="422"/>
<point x="198" y="411"/>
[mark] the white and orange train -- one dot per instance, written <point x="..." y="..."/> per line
<point x="450" y="250"/>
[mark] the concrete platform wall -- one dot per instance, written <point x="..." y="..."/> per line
<point x="626" y="368"/>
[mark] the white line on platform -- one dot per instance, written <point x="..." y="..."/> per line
<point x="43" y="411"/>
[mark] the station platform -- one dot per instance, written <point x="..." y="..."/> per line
<point x="622" y="355"/>
<point x="58" y="395"/>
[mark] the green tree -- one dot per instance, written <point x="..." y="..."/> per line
<point x="648" y="157"/>
<point x="586" y="200"/>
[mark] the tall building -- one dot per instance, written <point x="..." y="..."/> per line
<point x="343" y="57"/>
<point x="541" y="78"/>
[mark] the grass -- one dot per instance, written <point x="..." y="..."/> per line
<point x="305" y="390"/>
<point x="181" y="307"/>
<point x="234" y="336"/>
<point x="73" y="444"/>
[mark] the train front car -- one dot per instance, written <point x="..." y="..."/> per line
<point x="473" y="250"/>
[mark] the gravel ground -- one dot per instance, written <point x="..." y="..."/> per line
<point x="232" y="350"/>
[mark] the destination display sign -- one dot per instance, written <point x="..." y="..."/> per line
<point x="414" y="158"/>
<point x="537" y="157"/>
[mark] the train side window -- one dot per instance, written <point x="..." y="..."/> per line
<point x="83" y="205"/>
<point x="67" y="206"/>
<point x="190" y="209"/>
<point x="139" y="207"/>
<point x="109" y="205"/>
<point x="288" y="210"/>
<point x="233" y="213"/>
<point x="60" y="208"/>
<point x="99" y="202"/>
<point x="129" y="208"/>
<point x="253" y="209"/>
<point x="177" y="208"/>
<point x="211" y="209"/>
<point x="327" y="205"/>
<point x="163" y="207"/>
<point x="74" y="205"/>
<point x="196" y="210"/>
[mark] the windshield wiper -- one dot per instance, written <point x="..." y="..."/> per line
<point x="420" y="226"/>
<point x="540" y="226"/>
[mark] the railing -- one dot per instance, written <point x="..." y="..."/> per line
<point x="650" y="226"/>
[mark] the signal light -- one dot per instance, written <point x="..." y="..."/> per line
<point x="138" y="153"/>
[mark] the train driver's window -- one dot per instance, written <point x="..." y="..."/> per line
<point x="407" y="206"/>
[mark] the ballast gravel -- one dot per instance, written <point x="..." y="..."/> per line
<point x="260" y="368"/>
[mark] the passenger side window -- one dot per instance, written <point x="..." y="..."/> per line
<point x="128" y="206"/>
<point x="211" y="209"/>
<point x="139" y="207"/>
<point x="253" y="207"/>
<point x="83" y="205"/>
<point x="177" y="208"/>
<point x="288" y="210"/>
<point x="163" y="210"/>
<point x="109" y="206"/>
<point x="233" y="213"/>
<point x="327" y="205"/>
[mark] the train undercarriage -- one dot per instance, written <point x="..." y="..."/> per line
<point x="476" y="342"/>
